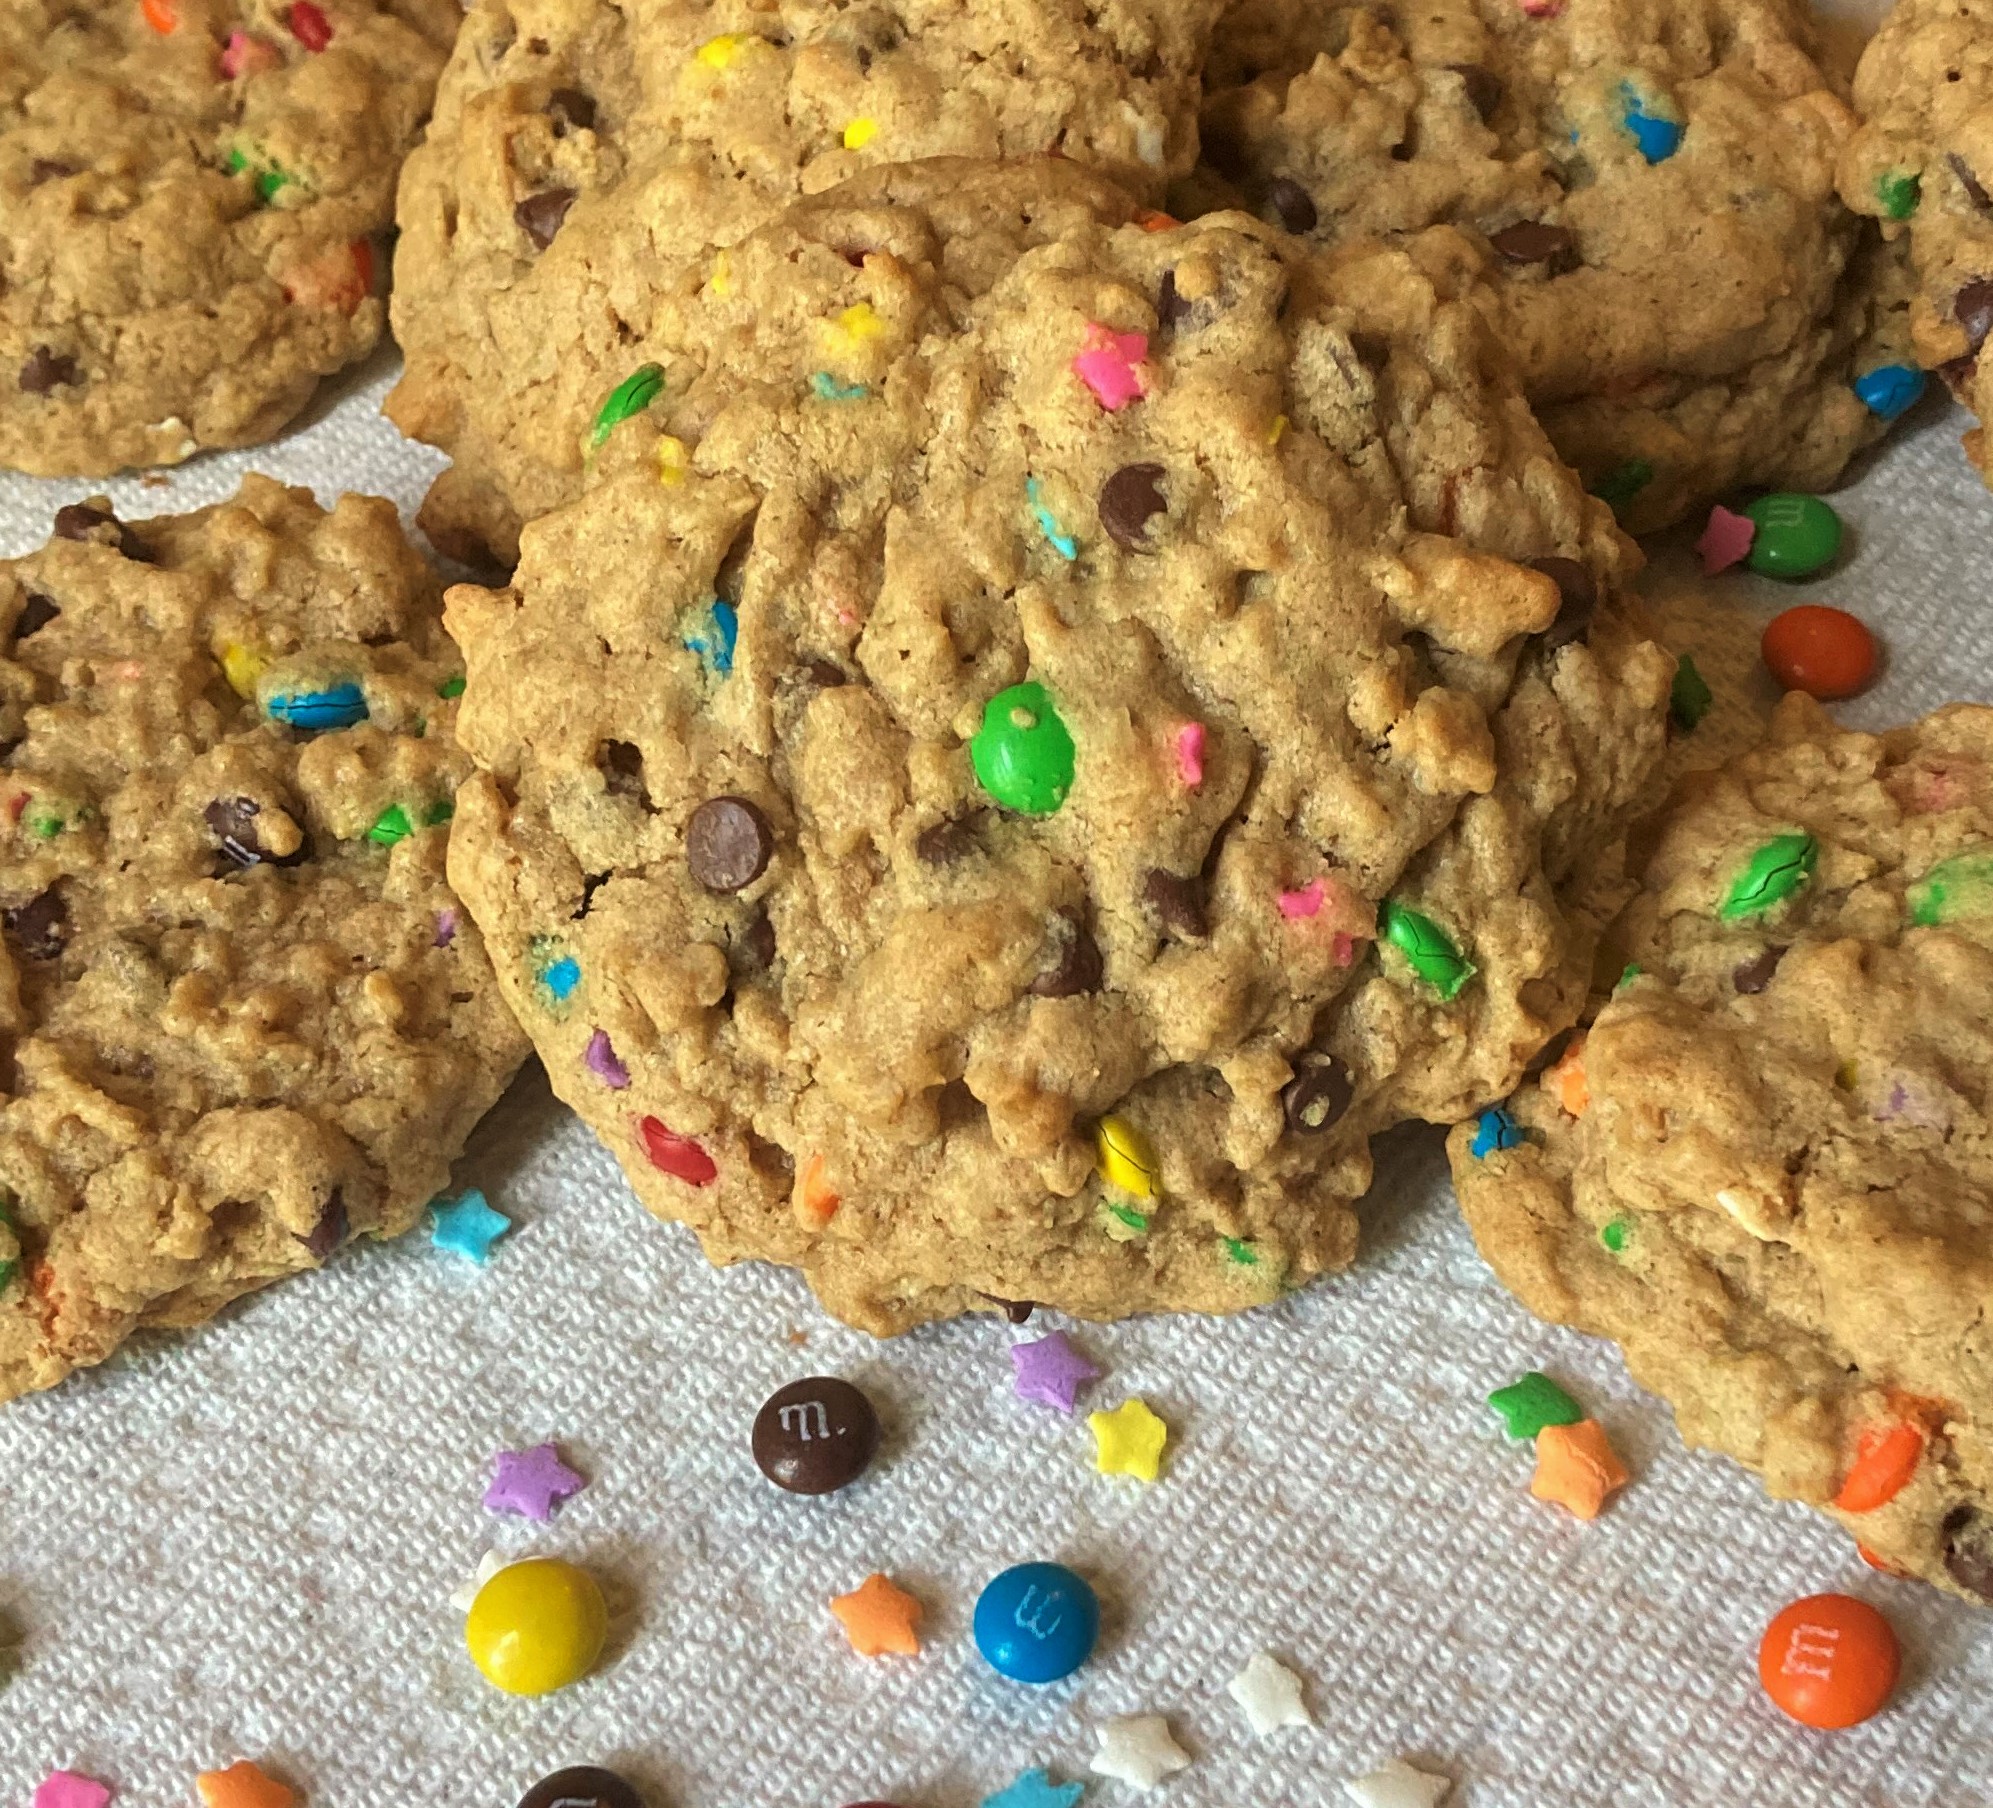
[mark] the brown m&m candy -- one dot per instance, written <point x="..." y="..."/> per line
<point x="815" y="1436"/>
<point x="582" y="1786"/>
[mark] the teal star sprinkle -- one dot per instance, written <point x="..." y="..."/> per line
<point x="1062" y="544"/>
<point x="1035" y="1789"/>
<point x="467" y="1226"/>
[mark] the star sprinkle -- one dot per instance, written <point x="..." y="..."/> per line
<point x="467" y="1226"/>
<point x="1726" y="541"/>
<point x="1528" y="1405"/>
<point x="1035" y="1789"/>
<point x="1138" y="1749"/>
<point x="70" y="1789"/>
<point x="1129" y="1440"/>
<point x="1111" y="365"/>
<point x="242" y="1785"/>
<point x="530" y="1482"/>
<point x="1270" y="1695"/>
<point x="1051" y="1371"/>
<point x="466" y="1591"/>
<point x="1577" y="1468"/>
<point x="879" y="1618"/>
<point x="1395" y="1784"/>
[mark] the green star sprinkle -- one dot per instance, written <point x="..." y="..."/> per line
<point x="1897" y="191"/>
<point x="1690" y="699"/>
<point x="1241" y="1253"/>
<point x="1616" y="1235"/>
<point x="439" y="813"/>
<point x="1771" y="875"/>
<point x="1533" y="1402"/>
<point x="1429" y="949"/>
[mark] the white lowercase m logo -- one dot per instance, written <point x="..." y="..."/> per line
<point x="1031" y="1618"/>
<point x="796" y="1420"/>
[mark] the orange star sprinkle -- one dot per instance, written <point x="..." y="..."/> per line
<point x="879" y="1618"/>
<point x="1577" y="1467"/>
<point x="242" y="1785"/>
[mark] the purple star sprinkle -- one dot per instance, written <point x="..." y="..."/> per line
<point x="530" y="1482"/>
<point x="1050" y="1371"/>
<point x="446" y="926"/>
<point x="603" y="1064"/>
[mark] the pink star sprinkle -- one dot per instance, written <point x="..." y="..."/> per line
<point x="530" y="1482"/>
<point x="1110" y="364"/>
<point x="603" y="1063"/>
<point x="247" y="55"/>
<point x="1190" y="754"/>
<point x="1543" y="9"/>
<point x="1050" y="1371"/>
<point x="1726" y="541"/>
<point x="1307" y="902"/>
<point x="446" y="926"/>
<point x="1344" y="949"/>
<point x="70" y="1789"/>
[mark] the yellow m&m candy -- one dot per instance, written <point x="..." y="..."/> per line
<point x="537" y="1626"/>
<point x="1127" y="1158"/>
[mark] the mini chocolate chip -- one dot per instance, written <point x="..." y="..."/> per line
<point x="571" y="111"/>
<point x="1128" y="501"/>
<point x="1972" y="308"/>
<point x="540" y="215"/>
<point x="1170" y="306"/>
<point x="1537" y="242"/>
<point x="1319" y="1093"/>
<point x="41" y="925"/>
<point x="582" y="1786"/>
<point x="1018" y="1311"/>
<point x="1975" y="193"/>
<point x="951" y="839"/>
<point x="50" y="169"/>
<point x="728" y="843"/>
<point x="1579" y="598"/>
<point x="756" y="942"/>
<point x="36" y="614"/>
<point x="1077" y="967"/>
<point x="1177" y="901"/>
<point x="330" y="1230"/>
<point x="1484" y="87"/>
<point x="232" y="821"/>
<point x="1752" y="976"/>
<point x="1967" y="1536"/>
<point x="80" y="521"/>
<point x="815" y="1436"/>
<point x="1293" y="203"/>
<point x="825" y="675"/>
<point x="1958" y="372"/>
<point x="46" y="370"/>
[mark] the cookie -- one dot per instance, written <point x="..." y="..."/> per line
<point x="1767" y="1171"/>
<point x="1922" y="164"/>
<point x="1044" y="734"/>
<point x="586" y="160"/>
<point x="244" y="1018"/>
<point x="1647" y="188"/>
<point x="192" y="198"/>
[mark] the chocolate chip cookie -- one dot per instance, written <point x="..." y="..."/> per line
<point x="244" y="1017"/>
<point x="1767" y="1170"/>
<point x="587" y="159"/>
<point x="192" y="198"/>
<point x="1648" y="190"/>
<point x="1044" y="734"/>
<point x="1922" y="164"/>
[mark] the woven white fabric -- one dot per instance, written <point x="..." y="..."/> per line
<point x="243" y="1542"/>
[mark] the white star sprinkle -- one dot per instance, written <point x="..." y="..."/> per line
<point x="1137" y="1749"/>
<point x="1270" y="1695"/>
<point x="1396" y="1784"/>
<point x="466" y="1592"/>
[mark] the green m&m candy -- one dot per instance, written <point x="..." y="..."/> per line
<point x="1797" y="535"/>
<point x="1897" y="193"/>
<point x="1958" y="887"/>
<point x="1428" y="948"/>
<point x="1022" y="753"/>
<point x="633" y="395"/>
<point x="1770" y="876"/>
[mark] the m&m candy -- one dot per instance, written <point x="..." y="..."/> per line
<point x="1796" y="535"/>
<point x="537" y="1626"/>
<point x="1824" y="652"/>
<point x="1829" y="1661"/>
<point x="1037" y="1622"/>
<point x="1023" y="754"/>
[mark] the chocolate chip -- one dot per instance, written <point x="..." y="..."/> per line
<point x="1293" y="203"/>
<point x="46" y="370"/>
<point x="1319" y="1093"/>
<point x="815" y="1436"/>
<point x="756" y="943"/>
<point x="233" y="823"/>
<point x="571" y="111"/>
<point x="36" y="614"/>
<point x="1752" y="976"/>
<point x="953" y="838"/>
<point x="1967" y="1542"/>
<point x="1958" y="372"/>
<point x="582" y="1786"/>
<point x="1170" y="306"/>
<point x="540" y="215"/>
<point x="1975" y="193"/>
<point x="1076" y="967"/>
<point x="1579" y="596"/>
<point x="1972" y="308"/>
<point x="1177" y="901"/>
<point x="728" y="843"/>
<point x="1535" y="242"/>
<point x="50" y="169"/>
<point x="1484" y="88"/>
<point x="1018" y="1311"/>
<point x="82" y="521"/>
<point x="825" y="675"/>
<point x="41" y="925"/>
<point x="330" y="1230"/>
<point x="1128" y="501"/>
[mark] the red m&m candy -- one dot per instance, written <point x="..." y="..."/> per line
<point x="1824" y="652"/>
<point x="1829" y="1661"/>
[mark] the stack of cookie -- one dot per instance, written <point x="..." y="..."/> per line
<point x="1013" y="729"/>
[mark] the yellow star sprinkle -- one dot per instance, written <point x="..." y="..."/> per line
<point x="671" y="460"/>
<point x="725" y="50"/>
<point x="721" y="277"/>
<point x="859" y="133"/>
<point x="1274" y="432"/>
<point x="879" y="1618"/>
<point x="241" y="666"/>
<point x="1129" y="1440"/>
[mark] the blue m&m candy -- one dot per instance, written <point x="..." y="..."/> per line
<point x="1890" y="389"/>
<point x="337" y="706"/>
<point x="1037" y="1622"/>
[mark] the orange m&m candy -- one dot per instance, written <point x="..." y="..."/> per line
<point x="1829" y="1661"/>
<point x="1824" y="652"/>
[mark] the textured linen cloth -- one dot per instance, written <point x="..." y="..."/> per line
<point x="242" y="1542"/>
